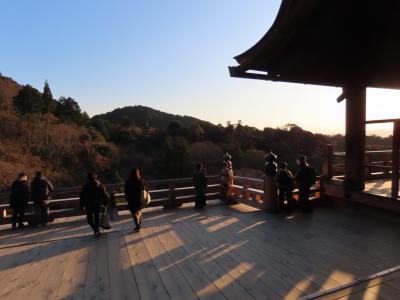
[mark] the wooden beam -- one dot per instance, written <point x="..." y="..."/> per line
<point x="355" y="138"/>
<point x="395" y="160"/>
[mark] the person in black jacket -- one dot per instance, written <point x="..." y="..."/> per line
<point x="19" y="198"/>
<point x="200" y="186"/>
<point x="305" y="178"/>
<point x="41" y="189"/>
<point x="133" y="189"/>
<point x="93" y="195"/>
<point x="285" y="184"/>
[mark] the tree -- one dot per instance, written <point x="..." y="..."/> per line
<point x="68" y="111"/>
<point x="175" y="128"/>
<point x="103" y="126"/>
<point x="27" y="103"/>
<point x="126" y="122"/>
<point x="48" y="107"/>
<point x="195" y="132"/>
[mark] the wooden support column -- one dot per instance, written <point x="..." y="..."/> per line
<point x="355" y="138"/>
<point x="327" y="163"/>
<point x="395" y="160"/>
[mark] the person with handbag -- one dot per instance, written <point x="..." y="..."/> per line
<point x="137" y="196"/>
<point x="93" y="196"/>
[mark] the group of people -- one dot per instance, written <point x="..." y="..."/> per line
<point x="284" y="179"/>
<point x="286" y="183"/>
<point x="38" y="191"/>
<point x="94" y="199"/>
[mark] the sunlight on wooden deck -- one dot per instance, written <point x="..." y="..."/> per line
<point x="219" y="253"/>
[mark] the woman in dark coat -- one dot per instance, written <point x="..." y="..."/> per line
<point x="134" y="188"/>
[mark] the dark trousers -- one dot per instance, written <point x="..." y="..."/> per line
<point x="18" y="216"/>
<point x="288" y="194"/>
<point x="42" y="212"/>
<point x="304" y="194"/>
<point x="93" y="218"/>
<point x="200" y="199"/>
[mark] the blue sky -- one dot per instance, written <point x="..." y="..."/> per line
<point x="170" y="55"/>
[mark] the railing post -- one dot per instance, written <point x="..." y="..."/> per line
<point x="172" y="195"/>
<point x="328" y="161"/>
<point x="270" y="202"/>
<point x="395" y="160"/>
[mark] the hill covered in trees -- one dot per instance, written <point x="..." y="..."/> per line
<point x="40" y="132"/>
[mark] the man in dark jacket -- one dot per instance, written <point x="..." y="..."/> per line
<point x="19" y="198"/>
<point x="285" y="184"/>
<point x="93" y="195"/>
<point x="305" y="178"/>
<point x="41" y="189"/>
<point x="200" y="186"/>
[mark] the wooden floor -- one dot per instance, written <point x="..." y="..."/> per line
<point x="221" y="253"/>
<point x="379" y="187"/>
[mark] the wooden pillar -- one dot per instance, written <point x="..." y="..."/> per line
<point x="395" y="160"/>
<point x="270" y="203"/>
<point x="355" y="138"/>
<point x="327" y="163"/>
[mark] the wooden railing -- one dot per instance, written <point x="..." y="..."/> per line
<point x="251" y="191"/>
<point x="170" y="193"/>
<point x="378" y="164"/>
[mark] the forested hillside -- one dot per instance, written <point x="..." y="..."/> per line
<point x="40" y="132"/>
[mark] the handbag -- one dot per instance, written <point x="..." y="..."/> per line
<point x="145" y="198"/>
<point x="105" y="219"/>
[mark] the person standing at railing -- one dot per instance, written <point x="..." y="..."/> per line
<point x="285" y="184"/>
<point x="19" y="198"/>
<point x="41" y="189"/>
<point x="305" y="178"/>
<point x="226" y="180"/>
<point x="134" y="188"/>
<point x="200" y="186"/>
<point x="92" y="196"/>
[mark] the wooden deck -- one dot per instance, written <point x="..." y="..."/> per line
<point x="379" y="187"/>
<point x="219" y="253"/>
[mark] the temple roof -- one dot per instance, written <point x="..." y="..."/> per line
<point x="332" y="43"/>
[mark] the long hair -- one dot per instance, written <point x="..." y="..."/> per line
<point x="136" y="174"/>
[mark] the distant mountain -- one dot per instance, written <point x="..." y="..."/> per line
<point x="144" y="116"/>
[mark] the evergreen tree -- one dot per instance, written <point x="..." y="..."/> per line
<point x="48" y="106"/>
<point x="68" y="111"/>
<point x="27" y="103"/>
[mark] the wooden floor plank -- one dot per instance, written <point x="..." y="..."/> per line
<point x="222" y="279"/>
<point x="52" y="276"/>
<point x="74" y="278"/>
<point x="198" y="280"/>
<point x="15" y="274"/>
<point x="239" y="271"/>
<point x="251" y="273"/>
<point x="97" y="284"/>
<point x="174" y="281"/>
<point x="148" y="280"/>
<point x="33" y="281"/>
<point x="122" y="279"/>
<point x="271" y="272"/>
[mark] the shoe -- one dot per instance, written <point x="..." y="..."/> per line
<point x="137" y="229"/>
<point x="97" y="234"/>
